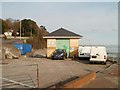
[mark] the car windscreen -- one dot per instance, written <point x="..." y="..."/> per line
<point x="58" y="51"/>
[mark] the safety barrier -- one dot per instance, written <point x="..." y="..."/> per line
<point x="80" y="81"/>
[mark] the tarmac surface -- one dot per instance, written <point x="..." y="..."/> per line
<point x="55" y="71"/>
<point x="106" y="79"/>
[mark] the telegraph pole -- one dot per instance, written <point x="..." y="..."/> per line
<point x="20" y="29"/>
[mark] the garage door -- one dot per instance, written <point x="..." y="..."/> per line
<point x="63" y="44"/>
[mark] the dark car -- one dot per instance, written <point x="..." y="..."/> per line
<point x="59" y="54"/>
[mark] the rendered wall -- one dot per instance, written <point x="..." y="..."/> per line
<point x="51" y="46"/>
<point x="73" y="47"/>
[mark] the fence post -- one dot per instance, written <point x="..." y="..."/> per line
<point x="38" y="76"/>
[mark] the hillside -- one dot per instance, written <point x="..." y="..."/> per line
<point x="29" y="28"/>
<point x="37" y="41"/>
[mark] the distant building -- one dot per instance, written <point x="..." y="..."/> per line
<point x="8" y="33"/>
<point x="62" y="39"/>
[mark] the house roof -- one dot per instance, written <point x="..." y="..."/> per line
<point x="61" y="32"/>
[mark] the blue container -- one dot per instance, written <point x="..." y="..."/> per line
<point x="27" y="47"/>
<point x="24" y="48"/>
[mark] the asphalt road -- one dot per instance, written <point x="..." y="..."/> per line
<point x="50" y="71"/>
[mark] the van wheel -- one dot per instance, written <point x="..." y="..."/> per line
<point x="104" y="63"/>
<point x="91" y="62"/>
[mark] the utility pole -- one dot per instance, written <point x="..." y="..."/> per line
<point x="31" y="32"/>
<point x="20" y="29"/>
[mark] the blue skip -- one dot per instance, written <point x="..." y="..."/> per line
<point x="24" y="48"/>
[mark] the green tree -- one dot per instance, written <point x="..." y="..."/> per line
<point x="29" y="27"/>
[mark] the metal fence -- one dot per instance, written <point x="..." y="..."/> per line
<point x="25" y="76"/>
<point x="113" y="57"/>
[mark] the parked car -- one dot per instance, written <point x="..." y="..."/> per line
<point x="59" y="54"/>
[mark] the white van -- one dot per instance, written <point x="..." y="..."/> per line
<point x="98" y="54"/>
<point x="84" y="52"/>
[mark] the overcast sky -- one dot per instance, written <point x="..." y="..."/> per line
<point x="97" y="22"/>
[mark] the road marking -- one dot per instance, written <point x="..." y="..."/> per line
<point x="15" y="82"/>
